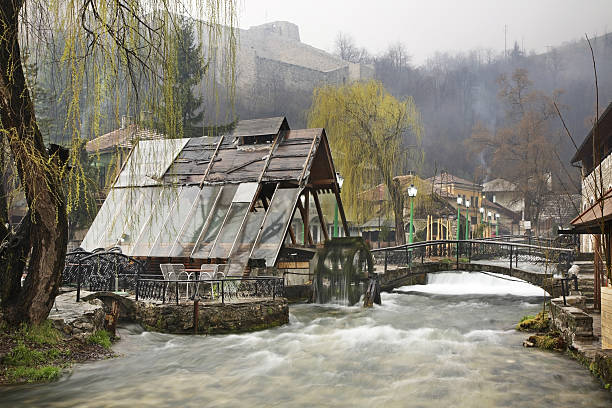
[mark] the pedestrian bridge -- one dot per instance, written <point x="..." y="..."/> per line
<point x="537" y="262"/>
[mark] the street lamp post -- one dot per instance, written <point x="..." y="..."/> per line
<point x="467" y="219"/>
<point x="496" y="225"/>
<point x="459" y="202"/>
<point x="481" y="219"/>
<point x="412" y="192"/>
<point x="340" y="180"/>
<point x="489" y="218"/>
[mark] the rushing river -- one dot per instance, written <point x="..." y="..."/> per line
<point x="450" y="343"/>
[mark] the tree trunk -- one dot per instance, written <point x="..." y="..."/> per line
<point x="40" y="179"/>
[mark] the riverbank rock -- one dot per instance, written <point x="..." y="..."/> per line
<point x="77" y="319"/>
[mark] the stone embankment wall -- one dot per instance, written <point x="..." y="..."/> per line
<point x="212" y="318"/>
<point x="571" y="320"/>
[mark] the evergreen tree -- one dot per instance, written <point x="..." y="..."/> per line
<point x="190" y="69"/>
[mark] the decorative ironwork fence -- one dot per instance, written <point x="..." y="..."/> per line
<point x="101" y="270"/>
<point x="220" y="290"/>
<point x="465" y="251"/>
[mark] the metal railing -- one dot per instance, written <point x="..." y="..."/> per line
<point x="466" y="251"/>
<point x="210" y="290"/>
<point x="101" y="271"/>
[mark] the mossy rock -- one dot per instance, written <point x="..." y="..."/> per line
<point x="548" y="341"/>
<point x="537" y="323"/>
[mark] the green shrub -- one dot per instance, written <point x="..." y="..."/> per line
<point x="100" y="337"/>
<point x="33" y="374"/>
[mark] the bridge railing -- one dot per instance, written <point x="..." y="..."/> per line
<point x="467" y="251"/>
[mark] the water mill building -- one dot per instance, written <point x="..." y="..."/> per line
<point x="226" y="199"/>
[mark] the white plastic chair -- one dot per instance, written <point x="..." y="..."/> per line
<point x="165" y="270"/>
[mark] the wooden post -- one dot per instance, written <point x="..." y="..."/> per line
<point x="315" y="197"/>
<point x="292" y="235"/>
<point x="427" y="235"/>
<point x="112" y="318"/>
<point x="196" y="317"/>
<point x="341" y="210"/>
<point x="307" y="217"/>
<point x="304" y="216"/>
<point x="597" y="267"/>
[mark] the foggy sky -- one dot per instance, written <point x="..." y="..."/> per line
<point x="429" y="26"/>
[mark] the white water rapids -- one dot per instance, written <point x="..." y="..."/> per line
<point x="432" y="346"/>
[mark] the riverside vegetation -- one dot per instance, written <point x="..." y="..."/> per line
<point x="33" y="354"/>
<point x="544" y="338"/>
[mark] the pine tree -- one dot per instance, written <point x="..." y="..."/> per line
<point x="190" y="71"/>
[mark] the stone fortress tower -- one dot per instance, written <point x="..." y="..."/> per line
<point x="271" y="59"/>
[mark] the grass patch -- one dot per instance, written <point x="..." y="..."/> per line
<point x="23" y="356"/>
<point x="34" y="354"/>
<point x="44" y="333"/>
<point x="537" y="323"/>
<point x="34" y="374"/>
<point x="101" y="338"/>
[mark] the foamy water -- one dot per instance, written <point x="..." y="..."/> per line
<point x="422" y="349"/>
<point x="470" y="283"/>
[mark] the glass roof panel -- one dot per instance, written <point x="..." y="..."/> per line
<point x="156" y="221"/>
<point x="139" y="215"/>
<point x="244" y="241"/>
<point x="195" y="222"/>
<point x="231" y="227"/>
<point x="105" y="216"/>
<point x="129" y="205"/>
<point x="245" y="193"/>
<point x="177" y="218"/>
<point x="275" y="225"/>
<point x="217" y="216"/>
<point x="149" y="161"/>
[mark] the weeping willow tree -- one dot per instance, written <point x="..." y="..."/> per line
<point x="374" y="137"/>
<point x="108" y="49"/>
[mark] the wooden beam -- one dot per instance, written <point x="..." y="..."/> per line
<point x="307" y="212"/>
<point x="292" y="235"/>
<point x="325" y="182"/>
<point x="341" y="210"/>
<point x="315" y="197"/>
<point x="303" y="214"/>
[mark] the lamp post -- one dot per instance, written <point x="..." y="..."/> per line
<point x="496" y="225"/>
<point x="412" y="192"/>
<point x="467" y="219"/>
<point x="340" y="180"/>
<point x="459" y="202"/>
<point x="481" y="218"/>
<point x="489" y="218"/>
